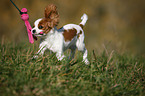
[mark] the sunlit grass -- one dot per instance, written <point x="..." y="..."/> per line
<point x="108" y="74"/>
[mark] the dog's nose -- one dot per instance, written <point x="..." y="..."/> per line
<point x="41" y="33"/>
<point x="34" y="31"/>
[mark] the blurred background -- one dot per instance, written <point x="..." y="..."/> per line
<point x="112" y="25"/>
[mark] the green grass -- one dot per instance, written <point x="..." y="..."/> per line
<point x="112" y="74"/>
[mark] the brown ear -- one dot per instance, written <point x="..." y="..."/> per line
<point x="51" y="8"/>
<point x="52" y="13"/>
<point x="52" y="23"/>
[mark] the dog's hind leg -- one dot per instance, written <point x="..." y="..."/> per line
<point x="81" y="47"/>
<point x="85" y="54"/>
<point x="72" y="53"/>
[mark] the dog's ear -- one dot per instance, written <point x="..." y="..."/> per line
<point x="52" y="13"/>
<point x="54" y="22"/>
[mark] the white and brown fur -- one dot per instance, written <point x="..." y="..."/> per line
<point x="70" y="36"/>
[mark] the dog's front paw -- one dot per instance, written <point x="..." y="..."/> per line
<point x="34" y="57"/>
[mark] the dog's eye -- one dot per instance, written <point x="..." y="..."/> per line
<point x="40" y="27"/>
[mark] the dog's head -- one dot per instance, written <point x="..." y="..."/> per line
<point x="44" y="25"/>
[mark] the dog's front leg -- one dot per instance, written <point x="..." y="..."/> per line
<point x="40" y="51"/>
<point x="59" y="56"/>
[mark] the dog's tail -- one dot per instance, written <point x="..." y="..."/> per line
<point x="84" y="19"/>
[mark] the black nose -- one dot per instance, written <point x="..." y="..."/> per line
<point x="33" y="31"/>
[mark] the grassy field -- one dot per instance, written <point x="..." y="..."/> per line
<point x="108" y="74"/>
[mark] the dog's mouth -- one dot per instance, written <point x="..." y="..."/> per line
<point x="40" y="34"/>
<point x="34" y="37"/>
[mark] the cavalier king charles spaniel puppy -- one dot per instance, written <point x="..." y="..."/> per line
<point x="70" y="36"/>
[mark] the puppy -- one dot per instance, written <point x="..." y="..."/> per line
<point x="70" y="36"/>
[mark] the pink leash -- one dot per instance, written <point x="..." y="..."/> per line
<point x="25" y="18"/>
